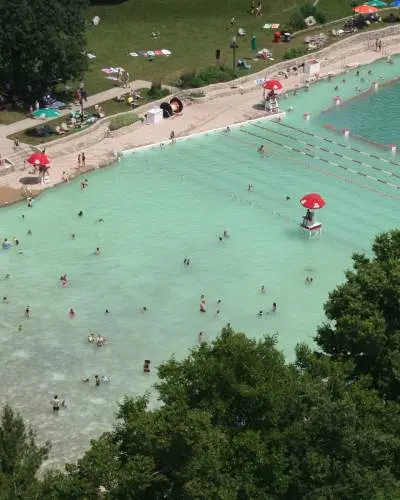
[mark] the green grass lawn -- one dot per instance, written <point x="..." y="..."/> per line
<point x="110" y="107"/>
<point x="7" y="117"/>
<point x="191" y="29"/>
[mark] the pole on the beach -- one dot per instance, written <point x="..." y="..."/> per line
<point x="234" y="46"/>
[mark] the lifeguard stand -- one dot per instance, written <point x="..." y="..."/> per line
<point x="313" y="228"/>
<point x="271" y="102"/>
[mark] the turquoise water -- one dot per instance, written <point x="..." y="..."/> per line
<point x="384" y="104"/>
<point x="160" y="207"/>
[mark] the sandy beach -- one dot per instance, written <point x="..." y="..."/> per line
<point x="224" y="104"/>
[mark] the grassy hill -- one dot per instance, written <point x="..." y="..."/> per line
<point x="191" y="29"/>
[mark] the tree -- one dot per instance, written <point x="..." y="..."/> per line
<point x="20" y="457"/>
<point x="237" y="422"/>
<point x="41" y="43"/>
<point x="364" y="317"/>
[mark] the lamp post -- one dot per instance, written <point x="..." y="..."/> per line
<point x="234" y="46"/>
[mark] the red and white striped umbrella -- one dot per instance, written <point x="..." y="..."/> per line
<point x="312" y="201"/>
<point x="274" y="85"/>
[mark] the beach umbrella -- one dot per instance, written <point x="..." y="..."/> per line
<point x="46" y="113"/>
<point x="365" y="9"/>
<point x="376" y="3"/>
<point x="38" y="159"/>
<point x="274" y="85"/>
<point x="312" y="201"/>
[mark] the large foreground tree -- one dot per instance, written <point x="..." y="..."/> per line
<point x="41" y="42"/>
<point x="364" y="317"/>
<point x="20" y="457"/>
<point x="236" y="422"/>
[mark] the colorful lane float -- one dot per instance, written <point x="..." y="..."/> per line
<point x="312" y="202"/>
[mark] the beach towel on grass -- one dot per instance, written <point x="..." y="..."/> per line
<point x="269" y="26"/>
<point x="111" y="70"/>
<point x="150" y="53"/>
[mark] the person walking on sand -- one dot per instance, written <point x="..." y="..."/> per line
<point x="83" y="160"/>
<point x="79" y="161"/>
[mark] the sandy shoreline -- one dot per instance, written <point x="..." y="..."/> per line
<point x="230" y="105"/>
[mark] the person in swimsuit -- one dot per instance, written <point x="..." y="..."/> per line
<point x="56" y="404"/>
<point x="96" y="380"/>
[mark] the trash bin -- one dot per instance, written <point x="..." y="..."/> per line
<point x="277" y="36"/>
<point x="286" y="37"/>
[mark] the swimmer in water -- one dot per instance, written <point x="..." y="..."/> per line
<point x="274" y="307"/>
<point x="90" y="338"/>
<point x="259" y="314"/>
<point x="101" y="220"/>
<point x="85" y="380"/>
<point x="97" y="252"/>
<point x="261" y="149"/>
<point x="144" y="309"/>
<point x="262" y="289"/>
<point x="71" y="313"/>
<point x="7" y="276"/>
<point x="27" y="312"/>
<point x="29" y="232"/>
<point x="80" y="214"/>
<point x="287" y="198"/>
<point x="226" y="234"/>
<point x="201" y="337"/>
<point x="220" y="238"/>
<point x="107" y="311"/>
<point x="72" y="236"/>
<point x="5" y="300"/>
<point x="250" y="187"/>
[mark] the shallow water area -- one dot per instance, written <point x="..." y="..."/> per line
<point x="159" y="207"/>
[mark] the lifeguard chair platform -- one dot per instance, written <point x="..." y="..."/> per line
<point x="314" y="228"/>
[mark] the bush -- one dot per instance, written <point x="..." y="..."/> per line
<point x="156" y="91"/>
<point x="307" y="9"/>
<point x="295" y="52"/>
<point x="320" y="17"/>
<point x="200" y="93"/>
<point x="207" y="76"/>
<point x="123" y="120"/>
<point x="296" y="21"/>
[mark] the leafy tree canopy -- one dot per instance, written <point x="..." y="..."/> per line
<point x="236" y="422"/>
<point x="364" y="317"/>
<point x="41" y="42"/>
<point x="20" y="457"/>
